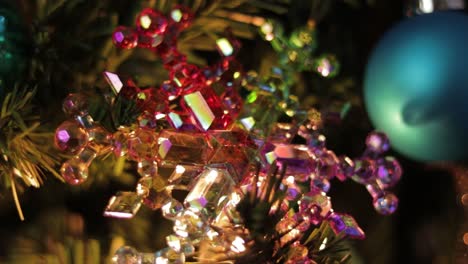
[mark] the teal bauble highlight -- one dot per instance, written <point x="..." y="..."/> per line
<point x="416" y="86"/>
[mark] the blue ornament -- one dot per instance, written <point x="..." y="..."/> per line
<point x="416" y="86"/>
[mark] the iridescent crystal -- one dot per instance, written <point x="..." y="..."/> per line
<point x="123" y="205"/>
<point x="190" y="225"/>
<point x="126" y="255"/>
<point x="75" y="104"/>
<point x="364" y="170"/>
<point x="377" y="142"/>
<point x="345" y="169"/>
<point x="345" y="224"/>
<point x="74" y="171"/>
<point x="151" y="22"/>
<point x="142" y="145"/>
<point x="210" y="193"/>
<point x="147" y="168"/>
<point x="386" y="204"/>
<point x="178" y="146"/>
<point x="70" y="137"/>
<point x="125" y="37"/>
<point x="298" y="159"/>
<point x="388" y="171"/>
<point x="172" y="209"/>
<point x="100" y="139"/>
<point x="180" y="176"/>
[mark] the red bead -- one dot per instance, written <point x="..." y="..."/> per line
<point x="181" y="16"/>
<point x="171" y="90"/>
<point x="125" y="37"/>
<point x="154" y="101"/>
<point x="151" y="22"/>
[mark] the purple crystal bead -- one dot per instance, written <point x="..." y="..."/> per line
<point x="345" y="224"/>
<point x="377" y="142"/>
<point x="387" y="204"/>
<point x="364" y="170"/>
<point x="388" y="171"/>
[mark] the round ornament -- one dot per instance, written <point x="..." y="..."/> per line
<point x="416" y="86"/>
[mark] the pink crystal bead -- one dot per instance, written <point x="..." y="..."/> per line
<point x="386" y="204"/>
<point x="143" y="145"/>
<point x="328" y="165"/>
<point x="70" y="137"/>
<point x="74" y="171"/>
<point x="151" y="22"/>
<point x="377" y="142"/>
<point x="388" y="171"/>
<point x="125" y="37"/>
<point x="75" y="104"/>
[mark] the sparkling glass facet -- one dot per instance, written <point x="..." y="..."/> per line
<point x="387" y="204"/>
<point x="125" y="37"/>
<point x="388" y="171"/>
<point x="343" y="223"/>
<point x="377" y="142"/>
<point x="70" y="137"/>
<point x="74" y="171"/>
<point x="151" y="22"/>
<point x="209" y="194"/>
<point x="123" y="205"/>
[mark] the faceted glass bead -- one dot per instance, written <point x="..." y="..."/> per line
<point x="126" y="255"/>
<point x="209" y="195"/>
<point x="364" y="170"/>
<point x="206" y="108"/>
<point x="86" y="121"/>
<point x="322" y="184"/>
<point x="375" y="190"/>
<point x="328" y="165"/>
<point x="87" y="155"/>
<point x="190" y="225"/>
<point x="74" y="171"/>
<point x="100" y="139"/>
<point x="232" y="102"/>
<point x="316" y="141"/>
<point x="387" y="204"/>
<point x="344" y="223"/>
<point x="182" y="16"/>
<point x="315" y="199"/>
<point x="178" y="146"/>
<point x="75" y="104"/>
<point x="70" y="137"/>
<point x="170" y="88"/>
<point x="144" y="185"/>
<point x="377" y="142"/>
<point x="346" y="168"/>
<point x="143" y="145"/>
<point x="180" y="176"/>
<point x="147" y="168"/>
<point x="155" y="101"/>
<point x="327" y="65"/>
<point x="388" y="171"/>
<point x="125" y="37"/>
<point x="145" y="41"/>
<point x="299" y="161"/>
<point x="123" y="205"/>
<point x="184" y="74"/>
<point x="172" y="209"/>
<point x="151" y="22"/>
<point x="157" y="199"/>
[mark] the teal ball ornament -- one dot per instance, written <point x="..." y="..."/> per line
<point x="416" y="86"/>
